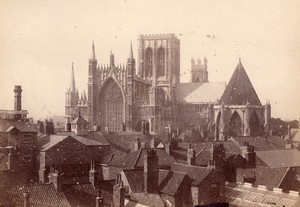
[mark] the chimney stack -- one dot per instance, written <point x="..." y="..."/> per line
<point x="249" y="154"/>
<point x="18" y="98"/>
<point x="137" y="144"/>
<point x="151" y="171"/>
<point x="191" y="155"/>
<point x="26" y="199"/>
<point x="119" y="193"/>
<point x="219" y="155"/>
<point x="99" y="201"/>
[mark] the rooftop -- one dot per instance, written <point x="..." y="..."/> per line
<point x="280" y="158"/>
<point x="197" y="93"/>
<point x="239" y="90"/>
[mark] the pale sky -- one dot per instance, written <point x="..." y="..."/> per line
<point x="39" y="40"/>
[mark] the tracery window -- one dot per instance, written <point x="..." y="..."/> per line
<point x="149" y="62"/>
<point x="111" y="106"/>
<point x="160" y="62"/>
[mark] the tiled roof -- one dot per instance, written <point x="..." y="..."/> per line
<point x="242" y="195"/>
<point x="203" y="151"/>
<point x="270" y="177"/>
<point x="260" y="143"/>
<point x="196" y="173"/>
<point x="23" y="126"/>
<point x="42" y="195"/>
<point x="200" y="93"/>
<point x="169" y="181"/>
<point x="149" y="199"/>
<point x="239" y="90"/>
<point x="136" y="159"/>
<point x="54" y="140"/>
<point x="135" y="179"/>
<point x="280" y="158"/>
<point x="80" y="194"/>
<point x="9" y="178"/>
<point x="84" y="194"/>
<point x="111" y="158"/>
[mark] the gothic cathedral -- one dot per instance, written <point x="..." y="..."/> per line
<point x="120" y="98"/>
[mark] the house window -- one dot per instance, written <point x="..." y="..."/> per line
<point x="27" y="158"/>
<point x="214" y="190"/>
<point x="27" y="139"/>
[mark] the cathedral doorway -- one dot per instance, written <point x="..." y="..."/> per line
<point x="235" y="125"/>
<point x="111" y="106"/>
<point x="254" y="124"/>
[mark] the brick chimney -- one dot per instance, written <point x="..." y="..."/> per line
<point x="137" y="144"/>
<point x="249" y="154"/>
<point x="99" y="201"/>
<point x="119" y="193"/>
<point x="218" y="155"/>
<point x="151" y="171"/>
<point x="191" y="155"/>
<point x="26" y="199"/>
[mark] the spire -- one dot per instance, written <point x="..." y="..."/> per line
<point x="131" y="52"/>
<point x="112" y="59"/>
<point x="72" y="85"/>
<point x="93" y="56"/>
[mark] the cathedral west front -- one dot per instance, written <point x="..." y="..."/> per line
<point x="147" y="93"/>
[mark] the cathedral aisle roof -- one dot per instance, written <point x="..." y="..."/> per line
<point x="240" y="90"/>
<point x="200" y="93"/>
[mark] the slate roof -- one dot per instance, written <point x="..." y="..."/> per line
<point x="136" y="159"/>
<point x="203" y="151"/>
<point x="42" y="195"/>
<point x="135" y="179"/>
<point x="170" y="181"/>
<point x="55" y="139"/>
<point x="23" y="126"/>
<point x="280" y="158"/>
<point x="93" y="138"/>
<point x="149" y="199"/>
<point x="196" y="173"/>
<point x="270" y="177"/>
<point x="260" y="143"/>
<point x="200" y="93"/>
<point x="240" y="90"/>
<point x="79" y="120"/>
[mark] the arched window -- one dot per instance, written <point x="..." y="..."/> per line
<point x="160" y="62"/>
<point x="254" y="124"/>
<point x="149" y="62"/>
<point x="235" y="125"/>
